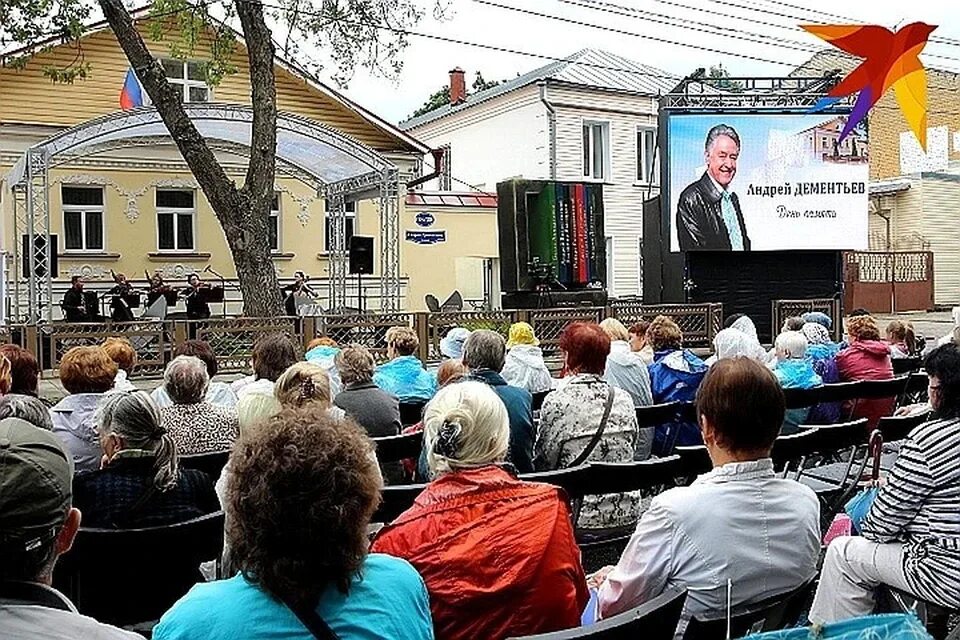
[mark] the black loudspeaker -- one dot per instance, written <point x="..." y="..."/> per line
<point x="39" y="243"/>
<point x="361" y="254"/>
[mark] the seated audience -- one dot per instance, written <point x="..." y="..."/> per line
<point x="6" y="378"/>
<point x="572" y="415"/>
<point x="449" y="372"/>
<point x="218" y="393"/>
<point x="792" y="323"/>
<point x="675" y="375"/>
<point x="818" y="317"/>
<point x="256" y="408"/>
<point x="794" y="370"/>
<point x="867" y="358"/>
<point x="909" y="536"/>
<point x="305" y="383"/>
<point x="323" y="351"/>
<point x="38" y="523"/>
<point x="700" y="537"/>
<point x="273" y="353"/>
<point x="140" y="483"/>
<point x="451" y="345"/>
<point x="28" y="408"/>
<point x="822" y="351"/>
<point x="483" y="356"/>
<point x="902" y="339"/>
<point x="377" y="411"/>
<point x="122" y="352"/>
<point x="490" y="574"/>
<point x="731" y="343"/>
<point x="315" y="567"/>
<point x="404" y="376"/>
<point x="523" y="365"/>
<point x="745" y="325"/>
<point x="24" y="369"/>
<point x="86" y="373"/>
<point x="195" y="425"/>
<point x="625" y="369"/>
<point x="639" y="343"/>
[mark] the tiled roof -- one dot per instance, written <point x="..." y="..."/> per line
<point x="589" y="68"/>
<point x="447" y="199"/>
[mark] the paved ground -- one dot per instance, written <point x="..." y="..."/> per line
<point x="928" y="324"/>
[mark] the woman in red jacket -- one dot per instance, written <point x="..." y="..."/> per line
<point x="867" y="358"/>
<point x="497" y="554"/>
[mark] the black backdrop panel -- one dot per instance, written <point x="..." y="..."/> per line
<point x="749" y="282"/>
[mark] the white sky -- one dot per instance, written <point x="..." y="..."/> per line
<point x="426" y="62"/>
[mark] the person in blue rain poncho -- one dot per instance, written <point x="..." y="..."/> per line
<point x="794" y="370"/>
<point x="404" y="375"/>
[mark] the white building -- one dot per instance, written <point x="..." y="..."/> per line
<point x="590" y="117"/>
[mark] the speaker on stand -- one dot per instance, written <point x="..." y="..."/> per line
<point x="361" y="262"/>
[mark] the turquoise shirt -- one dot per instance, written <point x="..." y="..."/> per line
<point x="405" y="377"/>
<point x="388" y="601"/>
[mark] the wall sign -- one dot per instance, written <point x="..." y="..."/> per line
<point x="425" y="219"/>
<point x="426" y="237"/>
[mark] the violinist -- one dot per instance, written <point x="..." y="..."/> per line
<point x="197" y="307"/>
<point x="120" y="310"/>
<point x="298" y="288"/>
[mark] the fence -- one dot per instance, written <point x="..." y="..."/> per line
<point x="888" y="282"/>
<point x="232" y="339"/>
<point x="783" y="309"/>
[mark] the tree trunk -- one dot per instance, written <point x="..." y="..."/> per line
<point x="243" y="213"/>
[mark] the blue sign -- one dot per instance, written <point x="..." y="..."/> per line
<point x="426" y="237"/>
<point x="425" y="219"/>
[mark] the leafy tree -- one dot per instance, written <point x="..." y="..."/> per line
<point x="368" y="33"/>
<point x="441" y="96"/>
<point x="723" y="82"/>
<point x="479" y="84"/>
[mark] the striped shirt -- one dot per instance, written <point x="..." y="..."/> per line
<point x="919" y="505"/>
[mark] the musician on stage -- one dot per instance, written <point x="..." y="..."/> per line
<point x="197" y="307"/>
<point x="299" y="287"/>
<point x="73" y="303"/>
<point x="120" y="310"/>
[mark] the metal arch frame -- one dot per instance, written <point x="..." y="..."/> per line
<point x="30" y="188"/>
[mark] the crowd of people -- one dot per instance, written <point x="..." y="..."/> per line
<point x="481" y="553"/>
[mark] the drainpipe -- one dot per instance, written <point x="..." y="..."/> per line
<point x="437" y="170"/>
<point x="551" y="129"/>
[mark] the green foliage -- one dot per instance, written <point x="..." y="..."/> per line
<point x="44" y="24"/>
<point x="723" y="82"/>
<point x="479" y="84"/>
<point x="441" y="96"/>
<point x="184" y="25"/>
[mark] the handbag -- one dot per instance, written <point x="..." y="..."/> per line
<point x="312" y="621"/>
<point x="595" y="440"/>
<point x="859" y="505"/>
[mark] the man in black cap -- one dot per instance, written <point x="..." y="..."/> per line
<point x="37" y="525"/>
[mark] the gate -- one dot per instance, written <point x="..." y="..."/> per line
<point x="888" y="281"/>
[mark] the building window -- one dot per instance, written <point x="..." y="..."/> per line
<point x="274" y="229"/>
<point x="596" y="143"/>
<point x="648" y="165"/>
<point x="446" y="171"/>
<point x="175" y="220"/>
<point x="348" y="225"/>
<point x="189" y="77"/>
<point x="82" y="218"/>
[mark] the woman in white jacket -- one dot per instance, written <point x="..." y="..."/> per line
<point x="524" y="366"/>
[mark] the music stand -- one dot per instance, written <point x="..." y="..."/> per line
<point x="132" y="300"/>
<point x="91" y="304"/>
<point x="213" y="294"/>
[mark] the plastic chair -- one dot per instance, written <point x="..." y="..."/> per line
<point x="771" y="614"/>
<point x="906" y="365"/>
<point x="395" y="499"/>
<point x="794" y="448"/>
<point x="653" y="620"/>
<point x="211" y="464"/>
<point x="896" y="428"/>
<point x="694" y="460"/>
<point x="411" y="412"/>
<point x="159" y="566"/>
<point x="537" y="402"/>
<point x="657" y="414"/>
<point x="401" y="447"/>
<point x="619" y="477"/>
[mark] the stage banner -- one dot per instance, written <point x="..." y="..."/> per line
<point x="766" y="182"/>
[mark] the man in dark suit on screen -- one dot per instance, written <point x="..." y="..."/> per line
<point x="708" y="212"/>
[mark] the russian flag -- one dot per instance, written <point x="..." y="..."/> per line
<point x="130" y="96"/>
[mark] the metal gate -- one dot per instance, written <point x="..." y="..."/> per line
<point x="888" y="281"/>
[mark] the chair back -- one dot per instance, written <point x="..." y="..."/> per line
<point x="771" y="614"/>
<point x="906" y="365"/>
<point x="896" y="428"/>
<point x="411" y="412"/>
<point x="831" y="438"/>
<point x="619" y="477"/>
<point x="794" y="448"/>
<point x="395" y="499"/>
<point x="694" y="459"/>
<point x="802" y="398"/>
<point x="876" y="389"/>
<point x="156" y="567"/>
<point x="575" y="481"/>
<point x="401" y="447"/>
<point x="537" y="402"/>
<point x="653" y="620"/>
<point x="211" y="464"/>
<point x="838" y="392"/>
<point x="657" y="414"/>
<point x="433" y="304"/>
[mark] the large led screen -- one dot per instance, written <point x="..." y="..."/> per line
<point x="766" y="182"/>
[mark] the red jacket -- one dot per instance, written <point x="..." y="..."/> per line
<point x="867" y="360"/>
<point x="498" y="555"/>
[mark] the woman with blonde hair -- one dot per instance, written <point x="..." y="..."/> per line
<point x="468" y="533"/>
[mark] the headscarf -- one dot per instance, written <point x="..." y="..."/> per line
<point x="816" y="333"/>
<point x="521" y="333"/>
<point x="731" y="343"/>
<point x="818" y="317"/>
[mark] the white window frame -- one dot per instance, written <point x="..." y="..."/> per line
<point x="276" y="218"/>
<point x="83" y="210"/>
<point x="185" y="82"/>
<point x="589" y="171"/>
<point x="642" y="161"/>
<point x="351" y="214"/>
<point x="176" y="212"/>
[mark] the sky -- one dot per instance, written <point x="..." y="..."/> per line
<point x="427" y="62"/>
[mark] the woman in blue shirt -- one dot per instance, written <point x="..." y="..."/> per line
<point x="300" y="496"/>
